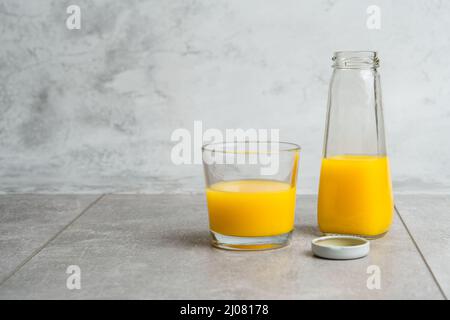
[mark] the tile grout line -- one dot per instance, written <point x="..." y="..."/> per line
<point x="420" y="253"/>
<point x="24" y="262"/>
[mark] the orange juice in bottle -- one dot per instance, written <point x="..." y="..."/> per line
<point x="355" y="196"/>
<point x="355" y="192"/>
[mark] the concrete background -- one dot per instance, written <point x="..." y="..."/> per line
<point x="92" y="110"/>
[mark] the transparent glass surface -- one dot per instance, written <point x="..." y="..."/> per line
<point x="355" y="192"/>
<point x="251" y="193"/>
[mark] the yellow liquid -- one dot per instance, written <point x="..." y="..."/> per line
<point x="251" y="208"/>
<point x="355" y="195"/>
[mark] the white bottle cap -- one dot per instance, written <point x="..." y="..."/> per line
<point x="340" y="247"/>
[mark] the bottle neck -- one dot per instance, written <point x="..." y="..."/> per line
<point x="356" y="60"/>
<point x="355" y="119"/>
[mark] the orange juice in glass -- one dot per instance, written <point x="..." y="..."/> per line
<point x="251" y="193"/>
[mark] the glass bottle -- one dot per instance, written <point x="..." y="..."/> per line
<point x="355" y="192"/>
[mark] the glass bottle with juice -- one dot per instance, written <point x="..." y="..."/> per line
<point x="355" y="192"/>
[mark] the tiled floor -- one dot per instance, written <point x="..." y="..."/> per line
<point x="157" y="247"/>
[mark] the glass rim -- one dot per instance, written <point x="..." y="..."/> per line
<point x="356" y="52"/>
<point x="292" y="146"/>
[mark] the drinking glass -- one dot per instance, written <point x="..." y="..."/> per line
<point x="251" y="193"/>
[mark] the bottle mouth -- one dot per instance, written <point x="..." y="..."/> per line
<point x="356" y="60"/>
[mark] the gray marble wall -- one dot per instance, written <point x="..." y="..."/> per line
<point x="92" y="110"/>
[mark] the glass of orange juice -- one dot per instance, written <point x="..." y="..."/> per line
<point x="251" y="193"/>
